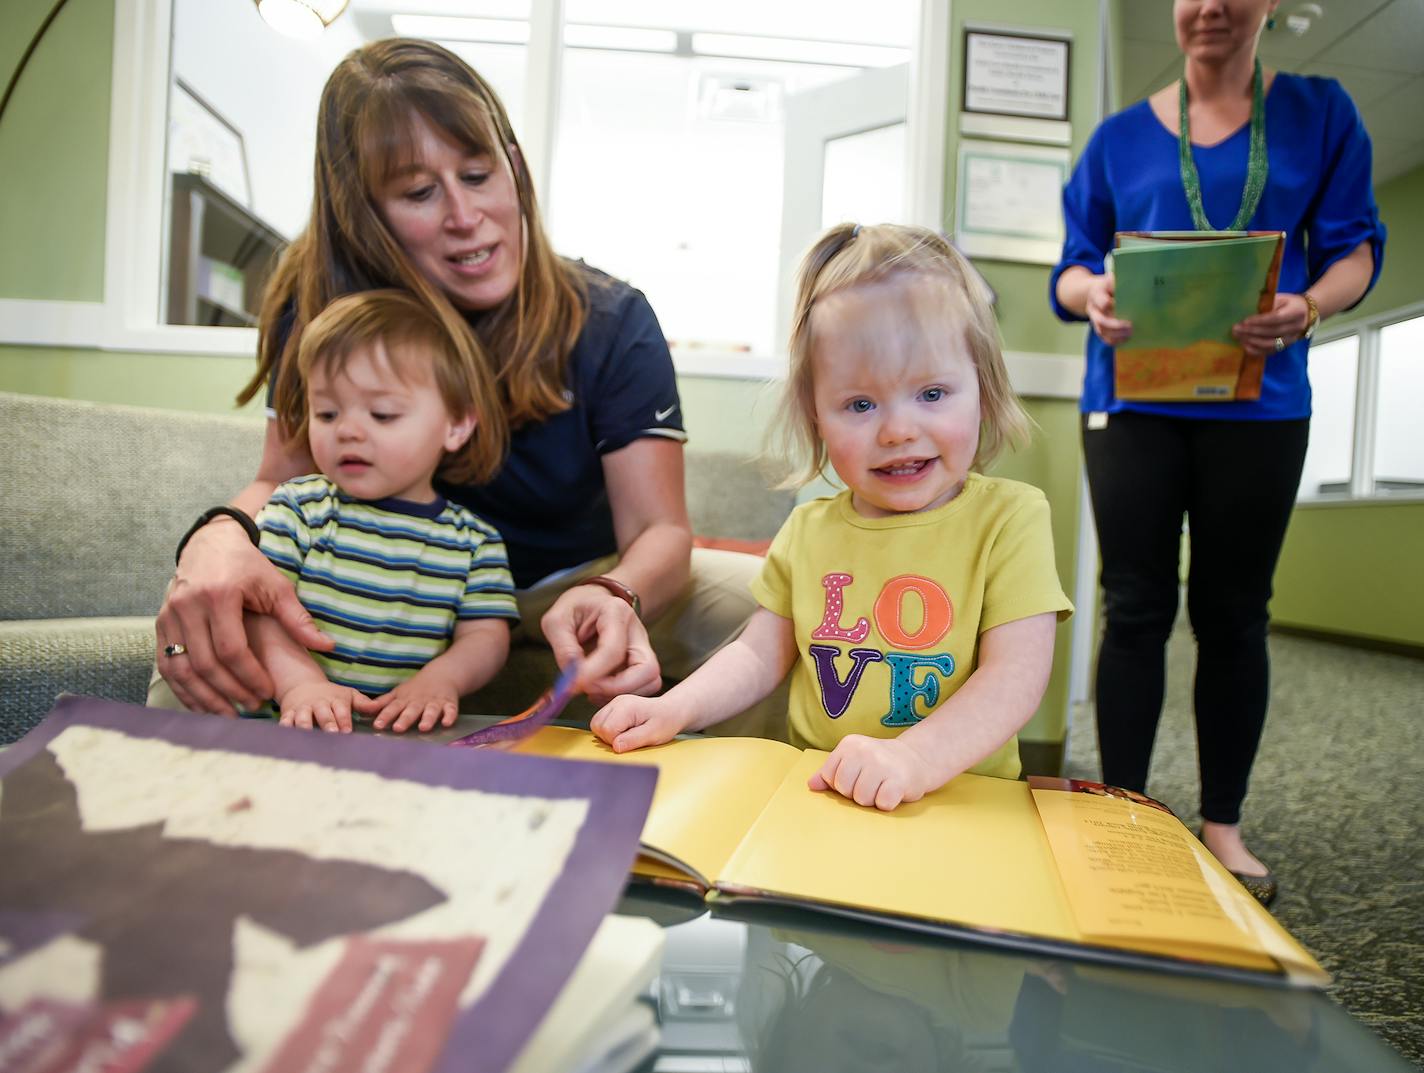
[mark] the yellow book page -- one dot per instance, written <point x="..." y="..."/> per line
<point x="1137" y="879"/>
<point x="709" y="791"/>
<point x="972" y="853"/>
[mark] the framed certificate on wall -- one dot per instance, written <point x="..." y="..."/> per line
<point x="1014" y="74"/>
<point x="1008" y="201"/>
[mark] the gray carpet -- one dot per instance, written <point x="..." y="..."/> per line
<point x="1332" y="809"/>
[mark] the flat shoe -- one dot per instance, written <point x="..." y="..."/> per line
<point x="1262" y="888"/>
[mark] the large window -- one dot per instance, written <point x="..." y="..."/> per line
<point x="1334" y="369"/>
<point x="658" y="134"/>
<point x="1365" y="436"/>
<point x="1399" y="439"/>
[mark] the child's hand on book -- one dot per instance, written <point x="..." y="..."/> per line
<point x="631" y="722"/>
<point x="883" y="772"/>
<point x="320" y="705"/>
<point x="425" y="700"/>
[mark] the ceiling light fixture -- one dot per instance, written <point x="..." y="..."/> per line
<point x="796" y="50"/>
<point x="462" y="28"/>
<point x="1299" y="20"/>
<point x="300" y="18"/>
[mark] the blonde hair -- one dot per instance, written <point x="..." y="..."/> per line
<point x="412" y="338"/>
<point x="365" y="133"/>
<point x="849" y="255"/>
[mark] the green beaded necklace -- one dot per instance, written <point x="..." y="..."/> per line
<point x="1256" y="164"/>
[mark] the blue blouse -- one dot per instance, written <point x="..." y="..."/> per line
<point x="1318" y="191"/>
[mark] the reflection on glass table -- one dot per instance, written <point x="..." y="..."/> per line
<point x="780" y="991"/>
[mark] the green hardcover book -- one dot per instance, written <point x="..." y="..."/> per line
<point x="1183" y="291"/>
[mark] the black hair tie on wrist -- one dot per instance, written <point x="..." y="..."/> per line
<point x="248" y="525"/>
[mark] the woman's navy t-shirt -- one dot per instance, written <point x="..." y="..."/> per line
<point x="548" y="500"/>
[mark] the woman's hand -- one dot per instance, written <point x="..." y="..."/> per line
<point x="1287" y="322"/>
<point x="1098" y="303"/>
<point x="220" y="575"/>
<point x="590" y="624"/>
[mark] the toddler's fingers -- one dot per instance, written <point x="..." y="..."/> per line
<point x="366" y="705"/>
<point x="613" y="719"/>
<point x="325" y="717"/>
<point x="888" y="796"/>
<point x="847" y="774"/>
<point x="341" y="709"/>
<point x="430" y="715"/>
<point x="409" y="713"/>
<point x="302" y="717"/>
<point x="866" y="788"/>
<point x="640" y="737"/>
<point x="450" y="714"/>
<point x="388" y="707"/>
<point x="824" y="778"/>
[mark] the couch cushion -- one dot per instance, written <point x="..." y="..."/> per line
<point x="42" y="658"/>
<point x="96" y="496"/>
<point x="729" y="496"/>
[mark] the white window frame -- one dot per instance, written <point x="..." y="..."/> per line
<point x="128" y="319"/>
<point x="1366" y="418"/>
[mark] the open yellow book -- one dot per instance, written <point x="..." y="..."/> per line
<point x="1049" y="867"/>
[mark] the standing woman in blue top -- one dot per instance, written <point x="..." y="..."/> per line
<point x="420" y="185"/>
<point x="1229" y="146"/>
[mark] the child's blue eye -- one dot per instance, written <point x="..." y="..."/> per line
<point x="932" y="394"/>
<point x="860" y="406"/>
<point x="382" y="418"/>
<point x="325" y="416"/>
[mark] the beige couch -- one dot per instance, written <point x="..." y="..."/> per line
<point x="94" y="498"/>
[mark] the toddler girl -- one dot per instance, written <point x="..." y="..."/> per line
<point x="916" y="608"/>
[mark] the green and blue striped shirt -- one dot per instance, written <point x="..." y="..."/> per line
<point x="386" y="579"/>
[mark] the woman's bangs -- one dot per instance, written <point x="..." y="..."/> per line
<point x="460" y="115"/>
<point x="387" y="133"/>
<point x="386" y="137"/>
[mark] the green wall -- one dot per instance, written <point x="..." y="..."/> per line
<point x="1356" y="569"/>
<point x="1024" y="314"/>
<point x="1401" y="205"/>
<point x="170" y="381"/>
<point x="54" y="142"/>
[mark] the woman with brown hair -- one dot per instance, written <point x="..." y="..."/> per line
<point x="420" y="185"/>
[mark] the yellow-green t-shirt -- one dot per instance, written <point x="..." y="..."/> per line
<point x="887" y="612"/>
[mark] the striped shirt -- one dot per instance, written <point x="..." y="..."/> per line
<point x="387" y="580"/>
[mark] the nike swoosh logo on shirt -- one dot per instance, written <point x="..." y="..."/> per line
<point x="662" y="415"/>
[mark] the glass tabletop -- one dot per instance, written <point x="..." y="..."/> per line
<point x="761" y="989"/>
<point x="780" y="990"/>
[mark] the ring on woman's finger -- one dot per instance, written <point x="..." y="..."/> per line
<point x="1280" y="344"/>
<point x="177" y="648"/>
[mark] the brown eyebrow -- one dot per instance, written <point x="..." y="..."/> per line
<point x="404" y="170"/>
<point x="414" y="166"/>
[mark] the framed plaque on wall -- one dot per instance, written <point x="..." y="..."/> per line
<point x="1015" y="74"/>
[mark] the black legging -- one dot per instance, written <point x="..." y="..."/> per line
<point x="1235" y="482"/>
